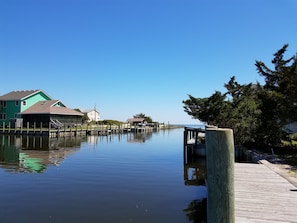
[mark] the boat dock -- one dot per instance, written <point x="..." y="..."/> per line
<point x="72" y="131"/>
<point x="194" y="142"/>
<point x="262" y="195"/>
<point x="263" y="192"/>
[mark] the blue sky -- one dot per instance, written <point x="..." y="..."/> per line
<point x="139" y="56"/>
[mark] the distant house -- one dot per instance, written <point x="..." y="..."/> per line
<point x="92" y="114"/>
<point x="35" y="106"/>
<point x="136" y="121"/>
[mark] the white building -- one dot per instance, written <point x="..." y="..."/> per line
<point x="92" y="114"/>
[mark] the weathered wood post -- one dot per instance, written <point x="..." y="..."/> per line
<point x="220" y="175"/>
<point x="185" y="136"/>
<point x="185" y="145"/>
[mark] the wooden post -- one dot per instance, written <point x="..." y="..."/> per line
<point x="185" y="145"/>
<point x="220" y="175"/>
<point x="185" y="137"/>
<point x="49" y="129"/>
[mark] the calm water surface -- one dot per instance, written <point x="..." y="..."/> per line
<point x="116" y="178"/>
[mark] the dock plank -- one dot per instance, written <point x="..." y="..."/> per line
<point x="262" y="195"/>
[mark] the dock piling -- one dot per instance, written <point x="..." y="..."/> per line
<point x="220" y="175"/>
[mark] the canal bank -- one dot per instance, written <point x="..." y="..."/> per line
<point x="79" y="130"/>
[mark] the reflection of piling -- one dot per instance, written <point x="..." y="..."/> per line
<point x="220" y="175"/>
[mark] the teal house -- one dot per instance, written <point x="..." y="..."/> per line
<point x="34" y="107"/>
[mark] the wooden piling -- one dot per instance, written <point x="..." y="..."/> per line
<point x="220" y="175"/>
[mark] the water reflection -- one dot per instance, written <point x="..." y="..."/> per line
<point x="194" y="168"/>
<point x="137" y="137"/>
<point x="195" y="175"/>
<point x="196" y="211"/>
<point x="140" y="137"/>
<point x="34" y="154"/>
<point x="112" y="176"/>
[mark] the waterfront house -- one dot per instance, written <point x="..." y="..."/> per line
<point x="12" y="103"/>
<point x="92" y="114"/>
<point x="53" y="112"/>
<point x="33" y="107"/>
<point x="136" y="121"/>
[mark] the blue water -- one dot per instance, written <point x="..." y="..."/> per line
<point x="116" y="178"/>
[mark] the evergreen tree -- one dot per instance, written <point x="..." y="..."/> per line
<point x="256" y="113"/>
<point x="240" y="112"/>
<point x="245" y="112"/>
<point x="281" y="85"/>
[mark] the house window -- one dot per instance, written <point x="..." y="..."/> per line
<point x="2" y="116"/>
<point x="24" y="103"/>
<point x="16" y="103"/>
<point x="3" y="104"/>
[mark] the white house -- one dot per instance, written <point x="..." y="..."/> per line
<point x="92" y="114"/>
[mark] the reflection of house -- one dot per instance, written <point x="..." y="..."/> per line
<point x="35" y="106"/>
<point x="34" y="154"/>
<point x="136" y="121"/>
<point x="92" y="114"/>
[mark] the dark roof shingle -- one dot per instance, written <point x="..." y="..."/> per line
<point x="17" y="95"/>
<point x="48" y="107"/>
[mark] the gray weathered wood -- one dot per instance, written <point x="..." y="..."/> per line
<point x="220" y="175"/>
<point x="263" y="196"/>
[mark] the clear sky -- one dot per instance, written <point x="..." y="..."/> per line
<point x="139" y="56"/>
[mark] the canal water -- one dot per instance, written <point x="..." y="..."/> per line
<point x="116" y="178"/>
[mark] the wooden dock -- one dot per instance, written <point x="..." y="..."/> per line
<point x="74" y="131"/>
<point x="263" y="193"/>
<point x="263" y="196"/>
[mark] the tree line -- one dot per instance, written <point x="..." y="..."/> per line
<point x="257" y="113"/>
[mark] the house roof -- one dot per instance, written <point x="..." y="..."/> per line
<point x="132" y="120"/>
<point x="19" y="95"/>
<point x="88" y="110"/>
<point x="49" y="107"/>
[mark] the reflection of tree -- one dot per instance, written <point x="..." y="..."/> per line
<point x="196" y="211"/>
